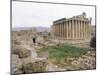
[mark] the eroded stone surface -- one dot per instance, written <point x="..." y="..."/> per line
<point x="16" y="65"/>
<point x="22" y="52"/>
<point x="34" y="65"/>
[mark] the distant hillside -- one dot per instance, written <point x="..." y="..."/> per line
<point x="39" y="28"/>
<point x="21" y="28"/>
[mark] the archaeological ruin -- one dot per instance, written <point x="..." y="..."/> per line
<point x="74" y="28"/>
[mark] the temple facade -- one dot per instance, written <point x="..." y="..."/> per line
<point x="74" y="28"/>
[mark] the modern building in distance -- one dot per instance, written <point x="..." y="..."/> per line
<point x="74" y="28"/>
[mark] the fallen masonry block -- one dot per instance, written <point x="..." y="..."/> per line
<point x="16" y="67"/>
<point x="22" y="52"/>
<point x="34" y="65"/>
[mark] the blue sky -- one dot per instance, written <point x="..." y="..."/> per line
<point x="26" y="14"/>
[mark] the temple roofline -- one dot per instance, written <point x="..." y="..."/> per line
<point x="81" y="17"/>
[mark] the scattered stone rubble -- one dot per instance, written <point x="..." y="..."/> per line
<point x="83" y="62"/>
<point x="22" y="52"/>
<point x="34" y="65"/>
<point x="22" y="62"/>
<point x="16" y="65"/>
<point x="24" y="58"/>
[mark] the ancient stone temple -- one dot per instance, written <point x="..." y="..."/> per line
<point x="74" y="28"/>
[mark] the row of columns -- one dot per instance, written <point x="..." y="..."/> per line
<point x="72" y="29"/>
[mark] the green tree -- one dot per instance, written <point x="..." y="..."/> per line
<point x="93" y="42"/>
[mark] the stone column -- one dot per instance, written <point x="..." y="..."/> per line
<point x="80" y="29"/>
<point x="84" y="29"/>
<point x="75" y="29"/>
<point x="72" y="29"/>
<point x="89" y="28"/>
<point x="89" y="34"/>
<point x="55" y="30"/>
<point x="70" y="32"/>
<point x="64" y="30"/>
<point x="52" y="30"/>
<point x="60" y="31"/>
<point x="67" y="29"/>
